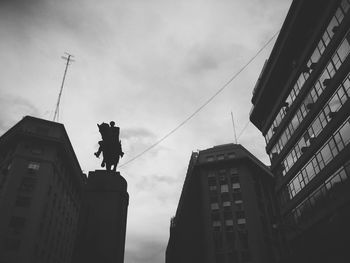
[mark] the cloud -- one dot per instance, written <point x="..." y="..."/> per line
<point x="137" y="133"/>
<point x="152" y="181"/>
<point x="14" y="108"/>
<point x="146" y="251"/>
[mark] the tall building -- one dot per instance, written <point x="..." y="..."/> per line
<point x="41" y="185"/>
<point x="226" y="210"/>
<point x="301" y="105"/>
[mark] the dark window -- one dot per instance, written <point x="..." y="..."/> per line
<point x="243" y="238"/>
<point x="12" y="243"/>
<point x="233" y="256"/>
<point x="23" y="201"/>
<point x="217" y="240"/>
<point x="27" y="184"/>
<point x="240" y="214"/>
<point x="230" y="239"/>
<point x="220" y="258"/>
<point x="227" y="214"/>
<point x="237" y="196"/>
<point x="225" y="197"/>
<point x="245" y="256"/>
<point x="17" y="223"/>
<point x="37" y="150"/>
<point x="234" y="179"/>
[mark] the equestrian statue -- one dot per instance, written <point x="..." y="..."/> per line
<point x="110" y="146"/>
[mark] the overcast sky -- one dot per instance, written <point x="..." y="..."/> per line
<point x="147" y="65"/>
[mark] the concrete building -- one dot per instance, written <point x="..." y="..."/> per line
<point x="226" y="210"/>
<point x="41" y="185"/>
<point x="301" y="105"/>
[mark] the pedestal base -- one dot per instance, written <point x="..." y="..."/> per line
<point x="103" y="219"/>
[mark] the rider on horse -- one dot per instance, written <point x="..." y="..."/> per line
<point x="110" y="145"/>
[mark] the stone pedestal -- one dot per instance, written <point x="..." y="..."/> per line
<point x="101" y="236"/>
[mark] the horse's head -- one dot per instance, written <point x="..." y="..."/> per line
<point x="103" y="129"/>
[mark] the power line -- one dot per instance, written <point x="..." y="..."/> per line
<point x="203" y="105"/>
<point x="245" y="127"/>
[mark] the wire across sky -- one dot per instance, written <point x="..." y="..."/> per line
<point x="204" y="105"/>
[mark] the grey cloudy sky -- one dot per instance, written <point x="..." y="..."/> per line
<point x="146" y="65"/>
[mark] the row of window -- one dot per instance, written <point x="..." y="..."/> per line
<point x="326" y="192"/>
<point x="334" y="104"/>
<point x="58" y="221"/>
<point x="233" y="257"/>
<point x="317" y="53"/>
<point x="222" y="173"/>
<point x="229" y="224"/>
<point x="332" y="67"/>
<point x="17" y="224"/>
<point x="231" y="243"/>
<point x="220" y="157"/>
<point x="322" y="157"/>
<point x="224" y="188"/>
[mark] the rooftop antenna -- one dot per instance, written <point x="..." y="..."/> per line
<point x="69" y="59"/>
<point x="234" y="128"/>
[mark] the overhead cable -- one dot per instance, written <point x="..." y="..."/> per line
<point x="203" y="105"/>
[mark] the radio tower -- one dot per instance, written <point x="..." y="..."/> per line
<point x="69" y="59"/>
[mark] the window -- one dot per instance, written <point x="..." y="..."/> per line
<point x="221" y="157"/>
<point x="222" y="171"/>
<point x="239" y="206"/>
<point x="214" y="206"/>
<point x="240" y="214"/>
<point x="228" y="214"/>
<point x="226" y="204"/>
<point x="210" y="158"/>
<point x="224" y="188"/>
<point x="211" y="174"/>
<point x="245" y="256"/>
<point x="237" y="197"/>
<point x="243" y="238"/>
<point x="229" y="222"/>
<point x="33" y="166"/>
<point x="223" y="179"/>
<point x="234" y="179"/>
<point x="233" y="256"/>
<point x="37" y="151"/>
<point x="27" y="185"/>
<point x="215" y="216"/>
<point x="225" y="197"/>
<point x="231" y="155"/>
<point x="236" y="186"/>
<point x="12" y="243"/>
<point x="17" y="224"/>
<point x="212" y="187"/>
<point x="217" y="225"/>
<point x="241" y="221"/>
<point x="23" y="201"/>
<point x="212" y="181"/>
<point x="233" y="171"/>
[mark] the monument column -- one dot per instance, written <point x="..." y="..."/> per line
<point x="101" y="237"/>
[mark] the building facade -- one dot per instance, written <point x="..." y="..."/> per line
<point x="41" y="185"/>
<point x="226" y="210"/>
<point x="301" y="105"/>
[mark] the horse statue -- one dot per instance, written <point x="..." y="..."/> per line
<point x="110" y="146"/>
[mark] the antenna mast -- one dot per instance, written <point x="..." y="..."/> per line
<point x="234" y="128"/>
<point x="68" y="59"/>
